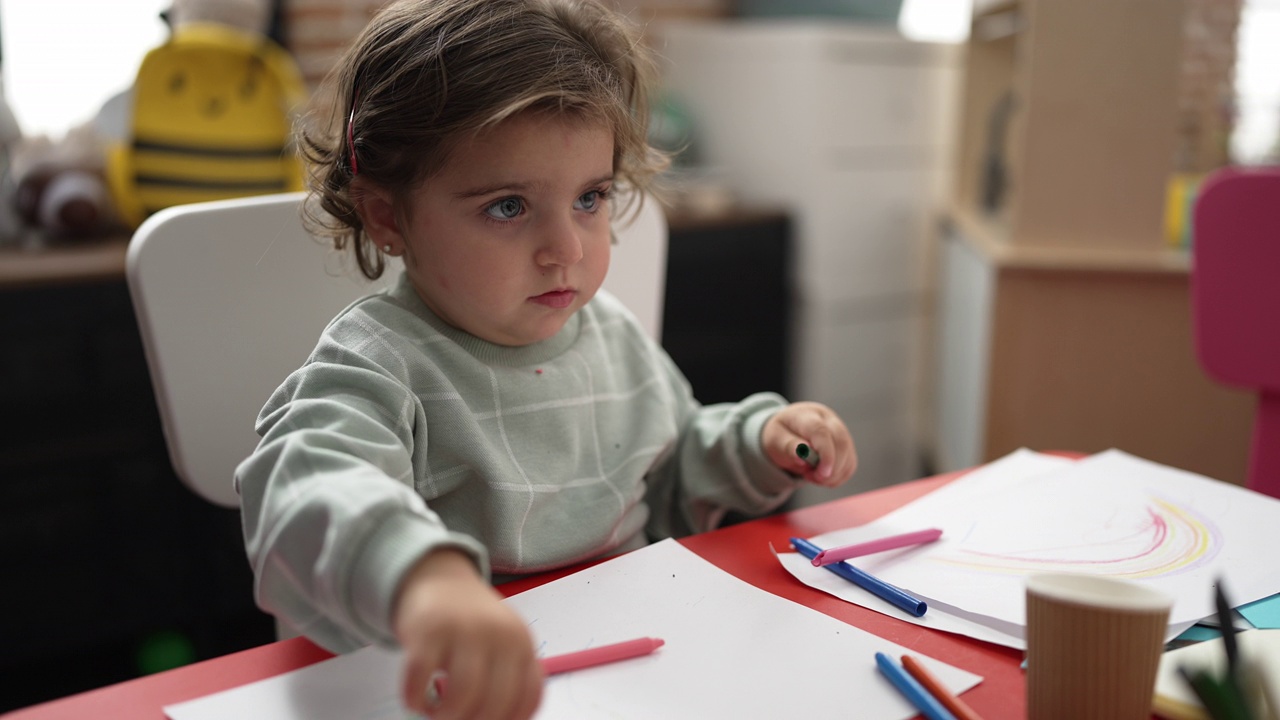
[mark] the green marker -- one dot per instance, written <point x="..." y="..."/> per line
<point x="807" y="454"/>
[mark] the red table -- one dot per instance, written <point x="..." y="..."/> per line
<point x="742" y="550"/>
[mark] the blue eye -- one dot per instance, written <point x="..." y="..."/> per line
<point x="508" y="208"/>
<point x="589" y="201"/>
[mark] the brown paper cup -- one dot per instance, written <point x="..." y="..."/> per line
<point x="1093" y="647"/>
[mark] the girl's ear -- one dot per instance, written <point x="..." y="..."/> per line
<point x="378" y="214"/>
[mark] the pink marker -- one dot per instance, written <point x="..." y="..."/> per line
<point x="599" y="655"/>
<point x="836" y="554"/>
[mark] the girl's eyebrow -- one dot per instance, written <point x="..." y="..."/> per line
<point x="517" y="187"/>
<point x="490" y="189"/>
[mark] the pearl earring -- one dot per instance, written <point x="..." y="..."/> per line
<point x="387" y="248"/>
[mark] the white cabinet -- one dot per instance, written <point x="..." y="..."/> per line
<point x="849" y="127"/>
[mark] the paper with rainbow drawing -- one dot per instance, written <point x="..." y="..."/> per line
<point x="1111" y="514"/>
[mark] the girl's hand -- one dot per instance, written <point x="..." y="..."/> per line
<point x="817" y="426"/>
<point x="453" y="625"/>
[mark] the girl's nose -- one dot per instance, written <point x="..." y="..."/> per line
<point x="560" y="244"/>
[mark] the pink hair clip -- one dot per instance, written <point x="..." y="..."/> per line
<point x="351" y="134"/>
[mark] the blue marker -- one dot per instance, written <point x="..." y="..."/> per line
<point x="912" y="690"/>
<point x="875" y="586"/>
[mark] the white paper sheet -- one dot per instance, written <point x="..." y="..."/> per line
<point x="732" y="651"/>
<point x="936" y="618"/>
<point x="995" y="477"/>
<point x="1111" y="514"/>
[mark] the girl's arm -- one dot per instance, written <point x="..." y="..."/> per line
<point x="718" y="463"/>
<point x="740" y="457"/>
<point x="331" y="519"/>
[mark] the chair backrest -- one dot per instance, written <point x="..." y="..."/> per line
<point x="1236" y="300"/>
<point x="231" y="296"/>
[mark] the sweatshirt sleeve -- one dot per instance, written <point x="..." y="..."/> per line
<point x="331" y="518"/>
<point x="717" y="465"/>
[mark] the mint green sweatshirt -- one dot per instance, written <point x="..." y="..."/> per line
<point x="402" y="434"/>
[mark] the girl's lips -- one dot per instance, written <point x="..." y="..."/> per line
<point x="558" y="299"/>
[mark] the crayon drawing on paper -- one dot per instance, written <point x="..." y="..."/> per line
<point x="1166" y="539"/>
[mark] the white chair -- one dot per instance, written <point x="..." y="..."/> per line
<point x="232" y="295"/>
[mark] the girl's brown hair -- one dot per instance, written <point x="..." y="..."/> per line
<point x="423" y="72"/>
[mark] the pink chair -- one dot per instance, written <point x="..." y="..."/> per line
<point x="1235" y="300"/>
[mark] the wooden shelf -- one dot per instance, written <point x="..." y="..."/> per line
<point x="1069" y="125"/>
<point x="997" y="22"/>
<point x="102" y="258"/>
<point x="991" y="238"/>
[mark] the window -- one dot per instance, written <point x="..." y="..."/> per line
<point x="62" y="60"/>
<point x="1256" y="137"/>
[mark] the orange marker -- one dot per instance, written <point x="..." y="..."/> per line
<point x="935" y="688"/>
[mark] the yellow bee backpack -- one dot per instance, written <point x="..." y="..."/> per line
<point x="211" y="119"/>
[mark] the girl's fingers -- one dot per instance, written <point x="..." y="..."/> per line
<point x="418" y="694"/>
<point x="825" y="436"/>
<point x="512" y="689"/>
<point x="843" y="460"/>
<point x="532" y="694"/>
<point x="464" y="695"/>
<point x="515" y="688"/>
<point x="818" y="438"/>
